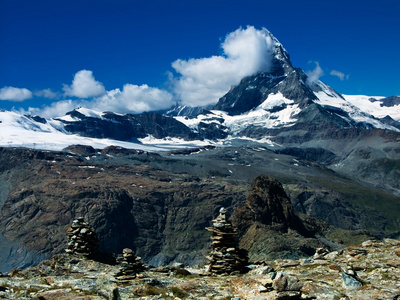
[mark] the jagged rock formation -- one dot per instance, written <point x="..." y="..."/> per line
<point x="267" y="214"/>
<point x="156" y="213"/>
<point x="267" y="203"/>
<point x="82" y="239"/>
<point x="225" y="257"/>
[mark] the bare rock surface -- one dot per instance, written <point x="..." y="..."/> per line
<point x="372" y="271"/>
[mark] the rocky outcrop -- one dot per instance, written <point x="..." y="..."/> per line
<point x="159" y="215"/>
<point x="268" y="224"/>
<point x="267" y="204"/>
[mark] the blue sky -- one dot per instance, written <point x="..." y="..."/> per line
<point x="122" y="53"/>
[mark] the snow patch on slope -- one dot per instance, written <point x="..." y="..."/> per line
<point x="374" y="107"/>
<point x="90" y="113"/>
<point x="275" y="111"/>
<point x="275" y="100"/>
<point x="17" y="130"/>
<point x="173" y="143"/>
<point x="357" y="109"/>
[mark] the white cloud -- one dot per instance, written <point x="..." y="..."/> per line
<point x="339" y="74"/>
<point x="15" y="94"/>
<point x="315" y="74"/>
<point x="198" y="81"/>
<point x="84" y="85"/>
<point x="46" y="93"/>
<point x="55" y="109"/>
<point x="203" y="81"/>
<point x="133" y="99"/>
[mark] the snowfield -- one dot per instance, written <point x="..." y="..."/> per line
<point x="374" y="107"/>
<point x="17" y="130"/>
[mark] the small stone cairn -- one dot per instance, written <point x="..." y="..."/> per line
<point x="130" y="264"/>
<point x="82" y="239"/>
<point x="225" y="256"/>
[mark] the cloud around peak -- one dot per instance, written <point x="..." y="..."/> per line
<point x="202" y="81"/>
<point x="315" y="74"/>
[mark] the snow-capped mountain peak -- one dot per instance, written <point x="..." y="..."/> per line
<point x="280" y="103"/>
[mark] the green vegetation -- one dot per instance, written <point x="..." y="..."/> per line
<point x="177" y="292"/>
<point x="152" y="291"/>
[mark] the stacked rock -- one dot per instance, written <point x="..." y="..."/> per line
<point x="130" y="264"/>
<point x="225" y="256"/>
<point x="82" y="239"/>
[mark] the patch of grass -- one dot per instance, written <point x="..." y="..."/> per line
<point x="386" y="276"/>
<point x="148" y="290"/>
<point x="347" y="237"/>
<point x="177" y="292"/>
<point x="227" y="297"/>
<point x="152" y="291"/>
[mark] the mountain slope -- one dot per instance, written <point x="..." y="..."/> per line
<point x="158" y="205"/>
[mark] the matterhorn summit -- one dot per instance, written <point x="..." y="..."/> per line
<point x="275" y="104"/>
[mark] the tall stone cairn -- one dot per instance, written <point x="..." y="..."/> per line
<point x="129" y="264"/>
<point x="225" y="256"/>
<point x="82" y="239"/>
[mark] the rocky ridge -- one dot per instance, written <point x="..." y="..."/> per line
<point x="370" y="270"/>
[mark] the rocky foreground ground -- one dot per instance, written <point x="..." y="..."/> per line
<point x="368" y="271"/>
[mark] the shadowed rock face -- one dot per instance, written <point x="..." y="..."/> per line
<point x="268" y="204"/>
<point x="127" y="127"/>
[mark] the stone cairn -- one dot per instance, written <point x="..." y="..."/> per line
<point x="82" y="239"/>
<point x="129" y="263"/>
<point x="225" y="256"/>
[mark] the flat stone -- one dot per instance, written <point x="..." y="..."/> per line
<point x="397" y="251"/>
<point x="285" y="263"/>
<point x="349" y="281"/>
